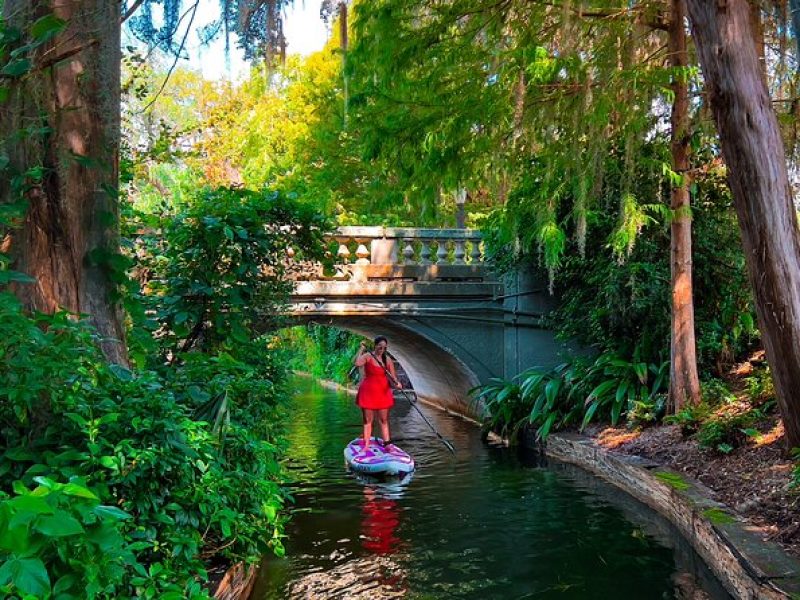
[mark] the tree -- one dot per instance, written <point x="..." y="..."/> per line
<point x="59" y="129"/>
<point x="754" y="152"/>
<point x="684" y="383"/>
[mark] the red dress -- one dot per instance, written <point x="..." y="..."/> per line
<point x="374" y="392"/>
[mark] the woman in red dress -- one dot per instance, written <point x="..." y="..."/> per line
<point x="375" y="394"/>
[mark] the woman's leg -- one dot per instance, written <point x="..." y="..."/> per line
<point x="367" y="415"/>
<point x="383" y="419"/>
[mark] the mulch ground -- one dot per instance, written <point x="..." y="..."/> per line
<point x="753" y="480"/>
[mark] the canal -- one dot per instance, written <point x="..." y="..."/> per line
<point x="489" y="522"/>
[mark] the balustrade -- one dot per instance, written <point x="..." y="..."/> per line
<point x="370" y="253"/>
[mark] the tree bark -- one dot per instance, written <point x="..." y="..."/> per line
<point x="753" y="150"/>
<point x="684" y="383"/>
<point x="758" y="36"/>
<point x="70" y="231"/>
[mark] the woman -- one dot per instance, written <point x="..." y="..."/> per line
<point x="374" y="393"/>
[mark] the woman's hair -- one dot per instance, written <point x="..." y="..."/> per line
<point x="380" y="339"/>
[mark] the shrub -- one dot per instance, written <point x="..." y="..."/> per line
<point x="121" y="473"/>
<point x="760" y="387"/>
<point x="689" y="417"/>
<point x="609" y="387"/>
<point x="728" y="431"/>
<point x="714" y="392"/>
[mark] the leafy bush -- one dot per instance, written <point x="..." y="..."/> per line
<point x="760" y="387"/>
<point x="127" y="479"/>
<point x="728" y="431"/>
<point x="714" y="392"/>
<point x="325" y="352"/>
<point x="689" y="417"/>
<point x="118" y="483"/>
<point x="574" y="391"/>
<point x="621" y="384"/>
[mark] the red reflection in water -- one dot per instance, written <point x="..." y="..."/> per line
<point x="380" y="519"/>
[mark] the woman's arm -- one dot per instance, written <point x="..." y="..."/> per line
<point x="390" y="366"/>
<point x="361" y="356"/>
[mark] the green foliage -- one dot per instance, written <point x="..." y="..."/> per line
<point x="136" y="488"/>
<point x="760" y="387"/>
<point x="620" y="385"/>
<point x="577" y="391"/>
<point x="324" y="352"/>
<point x="216" y="272"/>
<point x="49" y="529"/>
<point x="718" y="516"/>
<point x="715" y="392"/>
<point x="727" y="431"/>
<point x="123" y="483"/>
<point x="690" y="417"/>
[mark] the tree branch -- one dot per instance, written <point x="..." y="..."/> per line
<point x="193" y="10"/>
<point x="131" y="9"/>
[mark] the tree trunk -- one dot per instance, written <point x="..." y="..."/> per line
<point x="758" y="36"/>
<point x="69" y="102"/>
<point x="684" y="384"/>
<point x="753" y="150"/>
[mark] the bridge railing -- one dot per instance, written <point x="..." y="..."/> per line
<point x="403" y="253"/>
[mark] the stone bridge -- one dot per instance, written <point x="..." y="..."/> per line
<point x="450" y="321"/>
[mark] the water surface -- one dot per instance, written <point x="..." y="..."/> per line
<point x="488" y="522"/>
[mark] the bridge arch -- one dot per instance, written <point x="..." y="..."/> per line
<point x="436" y="372"/>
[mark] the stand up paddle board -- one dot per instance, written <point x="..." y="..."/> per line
<point x="376" y="460"/>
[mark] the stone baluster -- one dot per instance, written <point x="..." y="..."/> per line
<point x="459" y="253"/>
<point x="408" y="251"/>
<point x="425" y="253"/>
<point x="475" y="252"/>
<point x="441" y="252"/>
<point x="362" y="252"/>
<point x="343" y="252"/>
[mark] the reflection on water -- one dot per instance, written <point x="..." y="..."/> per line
<point x="486" y="523"/>
<point x="381" y="517"/>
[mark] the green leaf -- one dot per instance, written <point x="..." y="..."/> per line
<point x="544" y="430"/>
<point x="27" y="574"/>
<point x="4" y="93"/>
<point x="73" y="489"/>
<point x="725" y="448"/>
<point x="46" y="27"/>
<point x="121" y="372"/>
<point x="110" y="511"/>
<point x="108" y="462"/>
<point x="32" y="504"/>
<point x="600" y="391"/>
<point x="17" y="68"/>
<point x="58" y="525"/>
<point x="9" y="276"/>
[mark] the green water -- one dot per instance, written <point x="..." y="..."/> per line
<point x="488" y="523"/>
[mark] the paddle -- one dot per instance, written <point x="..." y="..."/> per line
<point x="413" y="403"/>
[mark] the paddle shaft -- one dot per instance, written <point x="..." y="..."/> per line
<point x="413" y="403"/>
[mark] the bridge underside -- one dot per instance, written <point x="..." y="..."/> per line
<point x="451" y="327"/>
<point x="433" y="367"/>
